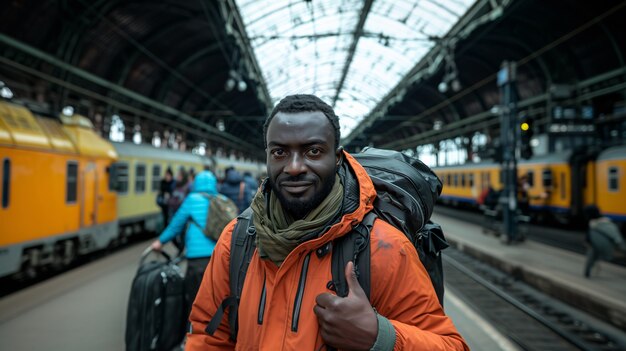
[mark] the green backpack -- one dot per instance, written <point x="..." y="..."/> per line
<point x="222" y="210"/>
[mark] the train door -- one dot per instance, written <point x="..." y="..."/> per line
<point x="581" y="191"/>
<point x="89" y="195"/>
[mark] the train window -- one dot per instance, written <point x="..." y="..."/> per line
<point x="72" y="182"/>
<point x="110" y="171"/>
<point x="546" y="177"/>
<point x="156" y="177"/>
<point x="6" y="180"/>
<point x="471" y="180"/>
<point x="463" y="179"/>
<point x="562" y="185"/>
<point x="531" y="178"/>
<point x="456" y="179"/>
<point x="121" y="170"/>
<point x="449" y="178"/>
<point x="613" y="179"/>
<point x="140" y="178"/>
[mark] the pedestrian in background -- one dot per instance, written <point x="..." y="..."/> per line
<point x="252" y="185"/>
<point x="181" y="188"/>
<point x="603" y="237"/>
<point x="165" y="192"/>
<point x="195" y="209"/>
<point x="236" y="189"/>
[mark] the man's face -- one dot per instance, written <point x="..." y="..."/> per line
<point x="301" y="160"/>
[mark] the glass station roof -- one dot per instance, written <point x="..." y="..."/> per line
<point x="304" y="46"/>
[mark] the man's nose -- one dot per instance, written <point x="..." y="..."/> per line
<point x="296" y="165"/>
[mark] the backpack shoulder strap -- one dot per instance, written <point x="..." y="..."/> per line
<point x="193" y="221"/>
<point x="241" y="250"/>
<point x="355" y="247"/>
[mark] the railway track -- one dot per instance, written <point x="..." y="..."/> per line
<point x="531" y="319"/>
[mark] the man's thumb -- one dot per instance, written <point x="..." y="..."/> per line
<point x="351" y="279"/>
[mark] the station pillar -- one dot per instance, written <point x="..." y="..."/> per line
<point x="508" y="139"/>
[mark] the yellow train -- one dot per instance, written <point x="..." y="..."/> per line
<point x="559" y="184"/>
<point x="67" y="192"/>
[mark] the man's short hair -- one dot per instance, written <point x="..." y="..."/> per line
<point x="304" y="103"/>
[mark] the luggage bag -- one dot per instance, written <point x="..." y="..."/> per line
<point x="156" y="317"/>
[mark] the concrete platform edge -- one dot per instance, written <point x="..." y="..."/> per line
<point x="600" y="308"/>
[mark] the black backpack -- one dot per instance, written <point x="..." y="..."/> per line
<point x="406" y="194"/>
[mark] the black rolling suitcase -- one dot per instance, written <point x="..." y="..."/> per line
<point x="156" y="317"/>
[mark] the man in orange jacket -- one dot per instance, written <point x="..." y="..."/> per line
<point x="314" y="194"/>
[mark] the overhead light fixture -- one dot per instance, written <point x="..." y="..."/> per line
<point x="456" y="85"/>
<point x="437" y="124"/>
<point x="68" y="110"/>
<point x="242" y="85"/>
<point x="5" y="92"/>
<point x="235" y="79"/>
<point x="230" y="84"/>
<point x="443" y="87"/>
<point x="451" y="76"/>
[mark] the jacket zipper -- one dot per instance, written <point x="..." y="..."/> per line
<point x="261" y="305"/>
<point x="419" y="203"/>
<point x="298" y="303"/>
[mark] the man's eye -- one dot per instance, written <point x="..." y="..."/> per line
<point x="314" y="152"/>
<point x="278" y="152"/>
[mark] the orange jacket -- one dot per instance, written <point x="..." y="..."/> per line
<point x="400" y="290"/>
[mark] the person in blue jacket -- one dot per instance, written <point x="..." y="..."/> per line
<point x="251" y="183"/>
<point x="236" y="189"/>
<point x="194" y="210"/>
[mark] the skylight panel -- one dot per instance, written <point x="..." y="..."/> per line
<point x="302" y="47"/>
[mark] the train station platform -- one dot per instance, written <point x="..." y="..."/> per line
<point x="85" y="309"/>
<point x="556" y="272"/>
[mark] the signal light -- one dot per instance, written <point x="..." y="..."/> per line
<point x="526" y="134"/>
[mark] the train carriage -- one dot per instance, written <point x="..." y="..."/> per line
<point x="56" y="202"/>
<point x="66" y="191"/>
<point x="136" y="178"/>
<point x="558" y="184"/>
<point x="610" y="180"/>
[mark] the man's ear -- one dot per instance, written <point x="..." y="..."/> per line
<point x="339" y="155"/>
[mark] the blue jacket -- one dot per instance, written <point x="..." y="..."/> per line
<point x="252" y="184"/>
<point x="194" y="207"/>
<point x="231" y="188"/>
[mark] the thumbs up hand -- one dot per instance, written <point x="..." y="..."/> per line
<point x="347" y="322"/>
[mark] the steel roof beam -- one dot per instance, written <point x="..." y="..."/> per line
<point x="358" y="32"/>
<point x="470" y="123"/>
<point x="430" y="63"/>
<point x="226" y="138"/>
<point x="230" y="11"/>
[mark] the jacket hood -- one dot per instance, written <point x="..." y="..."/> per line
<point x="233" y="177"/>
<point x="358" y="200"/>
<point x="205" y="182"/>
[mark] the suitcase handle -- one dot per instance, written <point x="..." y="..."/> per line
<point x="149" y="250"/>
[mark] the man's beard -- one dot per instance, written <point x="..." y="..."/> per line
<point x="296" y="207"/>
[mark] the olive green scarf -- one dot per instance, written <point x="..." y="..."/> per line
<point x="278" y="233"/>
